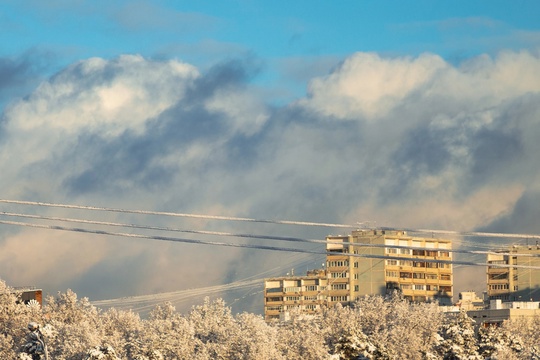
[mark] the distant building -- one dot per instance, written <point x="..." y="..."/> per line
<point x="468" y="300"/>
<point x="283" y="294"/>
<point x="514" y="283"/>
<point x="423" y="273"/>
<point x="28" y="293"/>
<point x="499" y="311"/>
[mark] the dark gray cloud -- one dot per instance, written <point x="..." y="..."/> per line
<point x="21" y="74"/>
<point x="401" y="142"/>
<point x="522" y="218"/>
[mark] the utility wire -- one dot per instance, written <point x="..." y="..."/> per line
<point x="163" y="213"/>
<point x="465" y="233"/>
<point x="253" y="236"/>
<point x="261" y="247"/>
<point x="279" y="222"/>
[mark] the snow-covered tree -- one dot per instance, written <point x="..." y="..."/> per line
<point x="525" y="331"/>
<point x="212" y="324"/>
<point x="302" y="337"/>
<point x="373" y="328"/>
<point x="254" y="339"/>
<point x="344" y="334"/>
<point x="457" y="339"/>
<point x="105" y="352"/>
<point x="166" y="333"/>
<point x="497" y="343"/>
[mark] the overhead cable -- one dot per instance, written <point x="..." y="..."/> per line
<point x="164" y="213"/>
<point x="279" y="222"/>
<point x="260" y="247"/>
<point x="254" y="236"/>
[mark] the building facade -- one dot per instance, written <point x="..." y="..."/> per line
<point x="419" y="268"/>
<point x="284" y="294"/>
<point x="499" y="311"/>
<point x="514" y="283"/>
<point x="28" y="294"/>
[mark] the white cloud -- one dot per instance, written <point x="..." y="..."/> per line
<point x="367" y="86"/>
<point x="102" y="96"/>
<point x="431" y="145"/>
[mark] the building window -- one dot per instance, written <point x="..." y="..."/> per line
<point x="446" y="277"/>
<point x="405" y="275"/>
<point x="339" y="298"/>
<point x="499" y="287"/>
<point x="292" y="298"/>
<point x="419" y="287"/>
<point x="419" y="276"/>
<point x="391" y="250"/>
<point x="335" y="275"/>
<point x="339" y="286"/>
<point x="356" y="288"/>
<point x="339" y="263"/>
<point x="292" y="289"/>
<point x="392" y="262"/>
<point x="392" y="274"/>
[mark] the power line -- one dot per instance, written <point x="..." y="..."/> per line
<point x="252" y="236"/>
<point x="465" y="233"/>
<point x="260" y="247"/>
<point x="163" y="213"/>
<point x="279" y="222"/>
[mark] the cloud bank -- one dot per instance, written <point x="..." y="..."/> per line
<point x="412" y="142"/>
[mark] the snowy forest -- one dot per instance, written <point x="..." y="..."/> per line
<point x="374" y="328"/>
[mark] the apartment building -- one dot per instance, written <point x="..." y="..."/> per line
<point x="306" y="293"/>
<point x="417" y="267"/>
<point x="514" y="283"/>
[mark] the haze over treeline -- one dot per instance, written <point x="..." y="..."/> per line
<point x="374" y="328"/>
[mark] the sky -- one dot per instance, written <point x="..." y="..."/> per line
<point x="404" y="114"/>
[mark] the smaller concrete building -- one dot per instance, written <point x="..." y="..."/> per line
<point x="514" y="283"/>
<point x="306" y="293"/>
<point x="499" y="311"/>
<point x="29" y="293"/>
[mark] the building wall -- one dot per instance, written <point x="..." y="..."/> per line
<point x="422" y="278"/>
<point x="347" y="277"/>
<point x="514" y="283"/>
<point x="287" y="293"/>
<point x="30" y="293"/>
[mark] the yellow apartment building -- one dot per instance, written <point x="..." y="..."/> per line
<point x="283" y="294"/>
<point x="514" y="283"/>
<point x="417" y="267"/>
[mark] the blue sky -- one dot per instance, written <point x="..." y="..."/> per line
<point x="419" y="114"/>
<point x="279" y="34"/>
